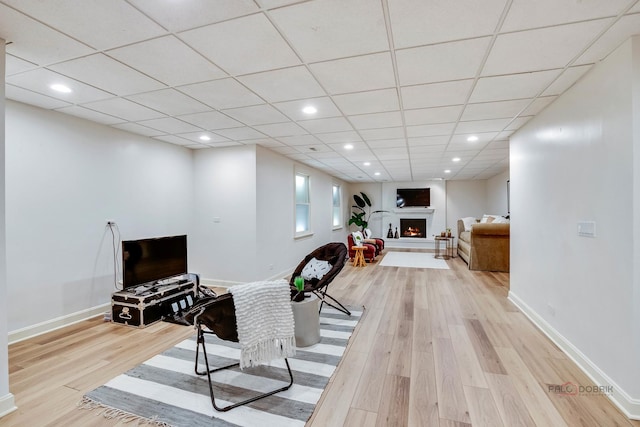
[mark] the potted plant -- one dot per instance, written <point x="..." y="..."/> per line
<point x="448" y="232"/>
<point x="360" y="217"/>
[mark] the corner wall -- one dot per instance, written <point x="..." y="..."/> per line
<point x="578" y="161"/>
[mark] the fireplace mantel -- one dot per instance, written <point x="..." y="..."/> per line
<point x="413" y="211"/>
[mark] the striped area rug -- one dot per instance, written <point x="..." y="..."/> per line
<point x="165" y="391"/>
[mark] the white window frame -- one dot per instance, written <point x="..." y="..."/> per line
<point x="339" y="214"/>
<point x="307" y="232"/>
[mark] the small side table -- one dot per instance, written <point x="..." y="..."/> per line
<point x="448" y="247"/>
<point x="358" y="259"/>
<point x="306" y="318"/>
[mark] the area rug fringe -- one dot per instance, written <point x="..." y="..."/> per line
<point x="117" y="414"/>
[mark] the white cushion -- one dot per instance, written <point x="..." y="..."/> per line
<point x="358" y="238"/>
<point x="500" y="220"/>
<point x="315" y="269"/>
<point x="468" y="222"/>
<point x="485" y="218"/>
<point x="367" y="233"/>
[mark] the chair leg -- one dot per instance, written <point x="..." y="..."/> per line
<point x="324" y="295"/>
<point x="207" y="372"/>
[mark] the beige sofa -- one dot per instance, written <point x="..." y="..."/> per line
<point x="485" y="247"/>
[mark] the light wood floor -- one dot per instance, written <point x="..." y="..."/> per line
<point x="434" y="348"/>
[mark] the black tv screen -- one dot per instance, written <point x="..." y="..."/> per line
<point x="413" y="197"/>
<point x="149" y="260"/>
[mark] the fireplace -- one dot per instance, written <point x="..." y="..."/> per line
<point x="415" y="228"/>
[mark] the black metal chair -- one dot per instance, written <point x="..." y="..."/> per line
<point x="217" y="316"/>
<point x="336" y="254"/>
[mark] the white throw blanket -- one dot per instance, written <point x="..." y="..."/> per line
<point x="265" y="322"/>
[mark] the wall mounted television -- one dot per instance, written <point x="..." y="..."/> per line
<point x="413" y="197"/>
<point x="150" y="260"/>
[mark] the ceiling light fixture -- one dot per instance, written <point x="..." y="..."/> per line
<point x="377" y="173"/>
<point x="60" y="88"/>
<point x="348" y="146"/>
<point x="455" y="159"/>
<point x="447" y="171"/>
<point x="367" y="163"/>
<point x="309" y="109"/>
<point x="205" y="138"/>
<point x="472" y="138"/>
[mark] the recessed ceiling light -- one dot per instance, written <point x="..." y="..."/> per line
<point x="377" y="173"/>
<point x="60" y="88"/>
<point x="205" y="138"/>
<point x="472" y="138"/>
<point x="367" y="163"/>
<point x="455" y="159"/>
<point x="348" y="146"/>
<point x="309" y="109"/>
<point x="447" y="171"/>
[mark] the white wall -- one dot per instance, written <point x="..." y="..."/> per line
<point x="6" y="398"/>
<point x="465" y="198"/>
<point x="65" y="178"/>
<point x="497" y="194"/>
<point x="578" y="161"/>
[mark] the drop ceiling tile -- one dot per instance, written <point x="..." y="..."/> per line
<point x="276" y="130"/>
<point x="396" y="164"/>
<point x="483" y="138"/>
<point x="125" y="109"/>
<point x="429" y="140"/>
<point x="240" y="134"/>
<point x="538" y="105"/>
<point x="197" y="146"/>
<point x="107" y="74"/>
<point x="635" y="9"/>
<point x="196" y="14"/>
<point x="535" y="50"/>
<point x="518" y="122"/>
<point x="377" y="120"/>
<point x="494" y="110"/>
<point x="221" y="94"/>
<point x="196" y="137"/>
<point x="514" y="86"/>
<point x="498" y="144"/>
<point x="23" y="95"/>
<point x="325" y="156"/>
<point x="339" y="137"/>
<point x="99" y="24"/>
<point x="266" y="142"/>
<point x="368" y="102"/>
<point x="333" y="124"/>
<point x="87" y="114"/>
<point x="387" y="143"/>
<point x="436" y="94"/>
<point x="138" y="129"/>
<point x="386" y="133"/>
<point x="428" y="116"/>
<point x="299" y="157"/>
<point x="431" y="149"/>
<point x="323" y="30"/>
<point x="299" y="140"/>
<point x="430" y="130"/>
<point x="391" y="153"/>
<point x="478" y="126"/>
<point x="293" y="109"/>
<point x="168" y="60"/>
<point x="492" y="154"/>
<point x="210" y="120"/>
<point x="417" y="22"/>
<point x="525" y="14"/>
<point x="170" y="102"/>
<point x="230" y="44"/>
<point x="505" y="134"/>
<point x="172" y="139"/>
<point x="36" y="42"/>
<point x="15" y="65"/>
<point x="357" y="74"/>
<point x="284" y="84"/>
<point x="223" y="144"/>
<point x="357" y="146"/>
<point x="169" y="125"/>
<point x="257" y="115"/>
<point x="315" y="148"/>
<point x="406" y="176"/>
<point x="441" y="62"/>
<point x="39" y="81"/>
<point x="566" y="80"/>
<point x="626" y="27"/>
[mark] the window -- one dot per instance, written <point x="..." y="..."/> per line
<point x="303" y="205"/>
<point x="337" y="206"/>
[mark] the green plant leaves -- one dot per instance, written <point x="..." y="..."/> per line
<point x="366" y="199"/>
<point x="359" y="201"/>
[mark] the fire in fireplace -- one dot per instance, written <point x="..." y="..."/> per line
<point x="416" y="228"/>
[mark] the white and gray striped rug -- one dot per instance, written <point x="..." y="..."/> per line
<point x="165" y="391"/>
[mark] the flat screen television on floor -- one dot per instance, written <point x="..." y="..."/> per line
<point x="150" y="260"/>
<point x="413" y="197"/>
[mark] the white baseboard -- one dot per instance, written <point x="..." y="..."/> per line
<point x="228" y="283"/>
<point x="7" y="404"/>
<point x="57" y="323"/>
<point x="627" y="404"/>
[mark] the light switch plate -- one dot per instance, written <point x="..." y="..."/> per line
<point x="587" y="228"/>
